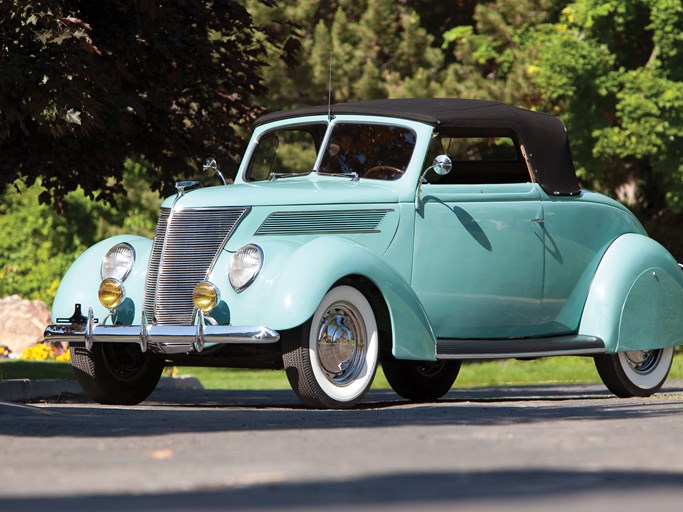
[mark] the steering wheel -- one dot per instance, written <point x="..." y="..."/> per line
<point x="383" y="172"/>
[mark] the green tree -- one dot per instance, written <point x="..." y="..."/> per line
<point x="496" y="56"/>
<point x="85" y="85"/>
<point x="378" y="48"/>
<point x="38" y="244"/>
<point x="615" y="69"/>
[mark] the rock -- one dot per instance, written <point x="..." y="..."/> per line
<point x="22" y="322"/>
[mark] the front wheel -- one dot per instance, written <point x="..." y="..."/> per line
<point x="422" y="381"/>
<point x="116" y="373"/>
<point x="331" y="359"/>
<point x="635" y="373"/>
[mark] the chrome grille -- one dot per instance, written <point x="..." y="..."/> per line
<point x="185" y="247"/>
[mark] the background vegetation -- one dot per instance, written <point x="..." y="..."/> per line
<point x="113" y="100"/>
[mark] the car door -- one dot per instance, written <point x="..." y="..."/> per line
<point x="478" y="259"/>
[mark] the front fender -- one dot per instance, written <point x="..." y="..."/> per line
<point x="81" y="282"/>
<point x="635" y="301"/>
<point x="295" y="278"/>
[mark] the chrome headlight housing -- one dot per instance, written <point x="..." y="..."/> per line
<point x="118" y="262"/>
<point x="245" y="265"/>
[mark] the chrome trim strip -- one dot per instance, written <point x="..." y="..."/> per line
<point x="519" y="348"/>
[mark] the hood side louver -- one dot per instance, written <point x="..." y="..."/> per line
<point x="322" y="222"/>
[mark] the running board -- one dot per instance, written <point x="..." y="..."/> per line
<point x="519" y="347"/>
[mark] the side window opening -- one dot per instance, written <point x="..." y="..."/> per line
<point x="480" y="159"/>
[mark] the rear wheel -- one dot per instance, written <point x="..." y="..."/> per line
<point x="422" y="381"/>
<point x="635" y="373"/>
<point x="116" y="373"/>
<point x="331" y="360"/>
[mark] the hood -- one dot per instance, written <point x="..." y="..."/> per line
<point x="290" y="192"/>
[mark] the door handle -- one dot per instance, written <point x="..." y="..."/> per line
<point x="538" y="220"/>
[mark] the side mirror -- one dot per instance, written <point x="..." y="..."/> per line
<point x="442" y="165"/>
<point x="211" y="168"/>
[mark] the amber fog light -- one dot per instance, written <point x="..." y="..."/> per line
<point x="111" y="293"/>
<point x="205" y="296"/>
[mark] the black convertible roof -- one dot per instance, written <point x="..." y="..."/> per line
<point x="543" y="136"/>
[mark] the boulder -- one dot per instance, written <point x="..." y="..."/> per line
<point x="22" y="322"/>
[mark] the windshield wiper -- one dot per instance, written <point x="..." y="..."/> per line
<point x="353" y="175"/>
<point x="277" y="175"/>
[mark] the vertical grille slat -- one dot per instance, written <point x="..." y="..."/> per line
<point x="186" y="244"/>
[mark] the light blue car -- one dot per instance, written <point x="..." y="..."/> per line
<point x="414" y="233"/>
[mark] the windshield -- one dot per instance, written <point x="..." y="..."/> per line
<point x="288" y="151"/>
<point x="374" y="151"/>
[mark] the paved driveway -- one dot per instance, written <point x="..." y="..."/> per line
<point x="526" y="448"/>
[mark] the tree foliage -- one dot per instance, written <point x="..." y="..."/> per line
<point x="378" y="47"/>
<point x="85" y="85"/>
<point x="37" y="243"/>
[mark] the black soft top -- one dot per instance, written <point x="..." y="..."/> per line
<point x="544" y="137"/>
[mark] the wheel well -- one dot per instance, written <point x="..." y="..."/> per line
<point x="379" y="307"/>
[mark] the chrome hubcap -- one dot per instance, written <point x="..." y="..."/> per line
<point x="643" y="361"/>
<point x="341" y="343"/>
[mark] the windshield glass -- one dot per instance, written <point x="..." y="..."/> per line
<point x="288" y="151"/>
<point x="368" y="150"/>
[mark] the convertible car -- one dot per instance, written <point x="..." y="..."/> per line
<point x="411" y="233"/>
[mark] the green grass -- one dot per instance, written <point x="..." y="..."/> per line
<point x="553" y="370"/>
<point x="12" y="369"/>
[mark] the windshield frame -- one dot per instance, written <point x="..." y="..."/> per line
<point x="421" y="130"/>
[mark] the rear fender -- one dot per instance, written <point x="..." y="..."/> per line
<point x="295" y="278"/>
<point x="635" y="300"/>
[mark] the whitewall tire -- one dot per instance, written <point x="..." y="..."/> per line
<point x="331" y="360"/>
<point x="635" y="373"/>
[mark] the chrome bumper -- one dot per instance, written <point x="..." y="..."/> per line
<point x="167" y="339"/>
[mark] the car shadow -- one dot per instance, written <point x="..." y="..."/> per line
<point x="515" y="489"/>
<point x="200" y="411"/>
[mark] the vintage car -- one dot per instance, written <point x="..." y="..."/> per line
<point x="415" y="233"/>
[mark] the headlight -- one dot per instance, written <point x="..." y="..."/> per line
<point x="205" y="296"/>
<point x="111" y="293"/>
<point x="245" y="265"/>
<point x="118" y="262"/>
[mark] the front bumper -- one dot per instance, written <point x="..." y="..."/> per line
<point x="167" y="339"/>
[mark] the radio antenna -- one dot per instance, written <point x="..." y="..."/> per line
<point x="329" y="91"/>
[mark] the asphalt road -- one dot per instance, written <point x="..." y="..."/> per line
<point x="529" y="448"/>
